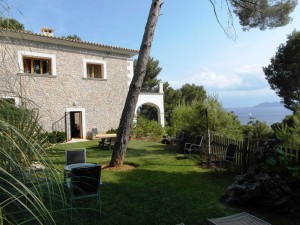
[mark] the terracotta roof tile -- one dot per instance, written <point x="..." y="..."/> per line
<point x="71" y="40"/>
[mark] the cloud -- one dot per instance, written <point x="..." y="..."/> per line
<point x="210" y="80"/>
<point x="249" y="69"/>
<point x="217" y="81"/>
<point x="253" y="93"/>
<point x="245" y="77"/>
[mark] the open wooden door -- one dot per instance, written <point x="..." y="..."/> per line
<point x="68" y="126"/>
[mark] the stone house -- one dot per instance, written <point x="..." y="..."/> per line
<point x="75" y="85"/>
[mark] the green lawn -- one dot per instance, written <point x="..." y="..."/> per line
<point x="165" y="188"/>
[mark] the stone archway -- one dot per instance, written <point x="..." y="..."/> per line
<point x="153" y="99"/>
<point x="149" y="111"/>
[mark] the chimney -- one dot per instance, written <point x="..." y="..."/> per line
<point x="47" y="31"/>
<point x="160" y="87"/>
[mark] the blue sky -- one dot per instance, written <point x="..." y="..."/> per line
<point x="189" y="43"/>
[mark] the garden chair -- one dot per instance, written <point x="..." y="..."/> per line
<point x="74" y="156"/>
<point x="85" y="183"/>
<point x="237" y="219"/>
<point x="94" y="132"/>
<point x="195" y="146"/>
<point x="227" y="158"/>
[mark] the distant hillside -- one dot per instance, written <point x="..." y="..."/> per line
<point x="269" y="104"/>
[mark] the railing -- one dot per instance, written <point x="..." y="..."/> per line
<point x="60" y="125"/>
<point x="159" y="88"/>
<point x="150" y="90"/>
<point x="245" y="151"/>
<point x="243" y="154"/>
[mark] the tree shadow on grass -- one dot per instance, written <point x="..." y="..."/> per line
<point x="163" y="190"/>
<point x="155" y="197"/>
<point x="181" y="157"/>
<point x="158" y="197"/>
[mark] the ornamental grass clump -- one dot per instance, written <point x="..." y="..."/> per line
<point x="28" y="194"/>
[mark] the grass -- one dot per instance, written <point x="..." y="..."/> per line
<point x="165" y="188"/>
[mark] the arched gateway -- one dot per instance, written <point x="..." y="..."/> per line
<point x="153" y="99"/>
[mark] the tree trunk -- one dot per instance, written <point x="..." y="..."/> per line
<point x="124" y="129"/>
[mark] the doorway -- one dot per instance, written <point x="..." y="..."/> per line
<point x="76" y="124"/>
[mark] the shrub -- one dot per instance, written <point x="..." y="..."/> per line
<point x="288" y="131"/>
<point x="194" y="119"/>
<point x="170" y="130"/>
<point x="147" y="128"/>
<point x="257" y="131"/>
<point x="55" y="137"/>
<point x="112" y="131"/>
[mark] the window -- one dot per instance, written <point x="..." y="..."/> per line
<point x="6" y="101"/>
<point x="94" y="71"/>
<point x="37" y="66"/>
<point x="10" y="99"/>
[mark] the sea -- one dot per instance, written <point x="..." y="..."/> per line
<point x="269" y="115"/>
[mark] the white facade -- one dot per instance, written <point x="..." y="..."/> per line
<point x="153" y="99"/>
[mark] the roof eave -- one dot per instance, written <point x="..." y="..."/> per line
<point x="67" y="42"/>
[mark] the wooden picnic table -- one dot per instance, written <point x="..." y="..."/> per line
<point x="105" y="135"/>
<point x="102" y="138"/>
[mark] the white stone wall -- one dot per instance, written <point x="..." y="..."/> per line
<point x="153" y="99"/>
<point x="103" y="100"/>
